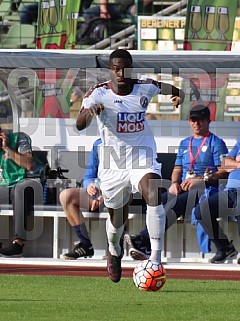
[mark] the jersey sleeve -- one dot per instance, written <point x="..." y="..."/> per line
<point x="220" y="150"/>
<point x="91" y="98"/>
<point x="155" y="88"/>
<point x="179" y="157"/>
<point x="235" y="150"/>
<point x="92" y="167"/>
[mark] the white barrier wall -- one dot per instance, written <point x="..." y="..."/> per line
<point x="62" y="134"/>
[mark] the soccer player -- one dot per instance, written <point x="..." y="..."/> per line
<point x="127" y="156"/>
<point x="197" y="166"/>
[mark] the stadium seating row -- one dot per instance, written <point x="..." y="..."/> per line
<point x="53" y="236"/>
<point x="56" y="230"/>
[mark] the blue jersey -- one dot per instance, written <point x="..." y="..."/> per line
<point x="210" y="156"/>
<point x="235" y="150"/>
<point x="93" y="163"/>
<point x="233" y="181"/>
<point x="234" y="176"/>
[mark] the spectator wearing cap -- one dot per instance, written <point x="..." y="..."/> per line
<point x="197" y="166"/>
<point x="199" y="112"/>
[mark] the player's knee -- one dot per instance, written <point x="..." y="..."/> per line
<point x="64" y="197"/>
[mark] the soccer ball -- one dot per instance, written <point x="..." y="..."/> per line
<point x="149" y="276"/>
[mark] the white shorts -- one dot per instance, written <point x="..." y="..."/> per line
<point x="117" y="186"/>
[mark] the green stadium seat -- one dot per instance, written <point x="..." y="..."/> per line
<point x="5" y="8"/>
<point x="19" y="36"/>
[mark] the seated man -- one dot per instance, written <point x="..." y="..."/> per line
<point x="73" y="199"/>
<point x="87" y="197"/>
<point x="196" y="155"/>
<point x="15" y="160"/>
<point x="223" y="204"/>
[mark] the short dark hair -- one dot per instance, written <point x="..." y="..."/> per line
<point x="121" y="53"/>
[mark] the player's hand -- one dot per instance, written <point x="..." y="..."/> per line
<point x="238" y="158"/>
<point x="4" y="139"/>
<point x="92" y="190"/>
<point x="96" y="203"/>
<point x="104" y="10"/>
<point x="176" y="101"/>
<point x="96" y="198"/>
<point x="190" y="183"/>
<point x="133" y="10"/>
<point x="105" y="15"/>
<point x="96" y="109"/>
<point x="175" y="189"/>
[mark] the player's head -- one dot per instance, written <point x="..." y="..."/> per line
<point x="120" y="66"/>
<point x="199" y="119"/>
<point x="121" y="53"/>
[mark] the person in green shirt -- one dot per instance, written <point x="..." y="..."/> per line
<point x="15" y="188"/>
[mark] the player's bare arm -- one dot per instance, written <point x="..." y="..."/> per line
<point x="231" y="163"/>
<point x="177" y="94"/>
<point x="22" y="160"/>
<point x="191" y="183"/>
<point x="176" y="180"/>
<point x="85" y="116"/>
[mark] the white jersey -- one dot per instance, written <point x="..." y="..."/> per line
<point x="127" y="140"/>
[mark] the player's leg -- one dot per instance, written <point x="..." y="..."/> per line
<point x="150" y="185"/>
<point x="116" y="192"/>
<point x="114" y="227"/>
<point x="24" y="195"/>
<point x="238" y="224"/>
<point x="72" y="199"/>
<point x="139" y="245"/>
<point x="207" y="212"/>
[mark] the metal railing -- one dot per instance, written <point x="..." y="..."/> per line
<point x="173" y="9"/>
<point x="127" y="37"/>
<point x="124" y="38"/>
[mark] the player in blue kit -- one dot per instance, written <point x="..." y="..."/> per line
<point x="127" y="155"/>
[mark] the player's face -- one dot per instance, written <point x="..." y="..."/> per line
<point x="120" y="70"/>
<point x="200" y="127"/>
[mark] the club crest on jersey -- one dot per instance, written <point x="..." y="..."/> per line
<point x="144" y="101"/>
<point x="130" y="122"/>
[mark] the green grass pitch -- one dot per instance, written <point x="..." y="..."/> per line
<point x="59" y="298"/>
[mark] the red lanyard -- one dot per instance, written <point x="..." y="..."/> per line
<point x="193" y="160"/>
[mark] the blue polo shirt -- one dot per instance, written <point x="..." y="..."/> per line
<point x="210" y="156"/>
<point x="234" y="177"/>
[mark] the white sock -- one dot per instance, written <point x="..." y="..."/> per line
<point x="113" y="235"/>
<point x="156" y="219"/>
